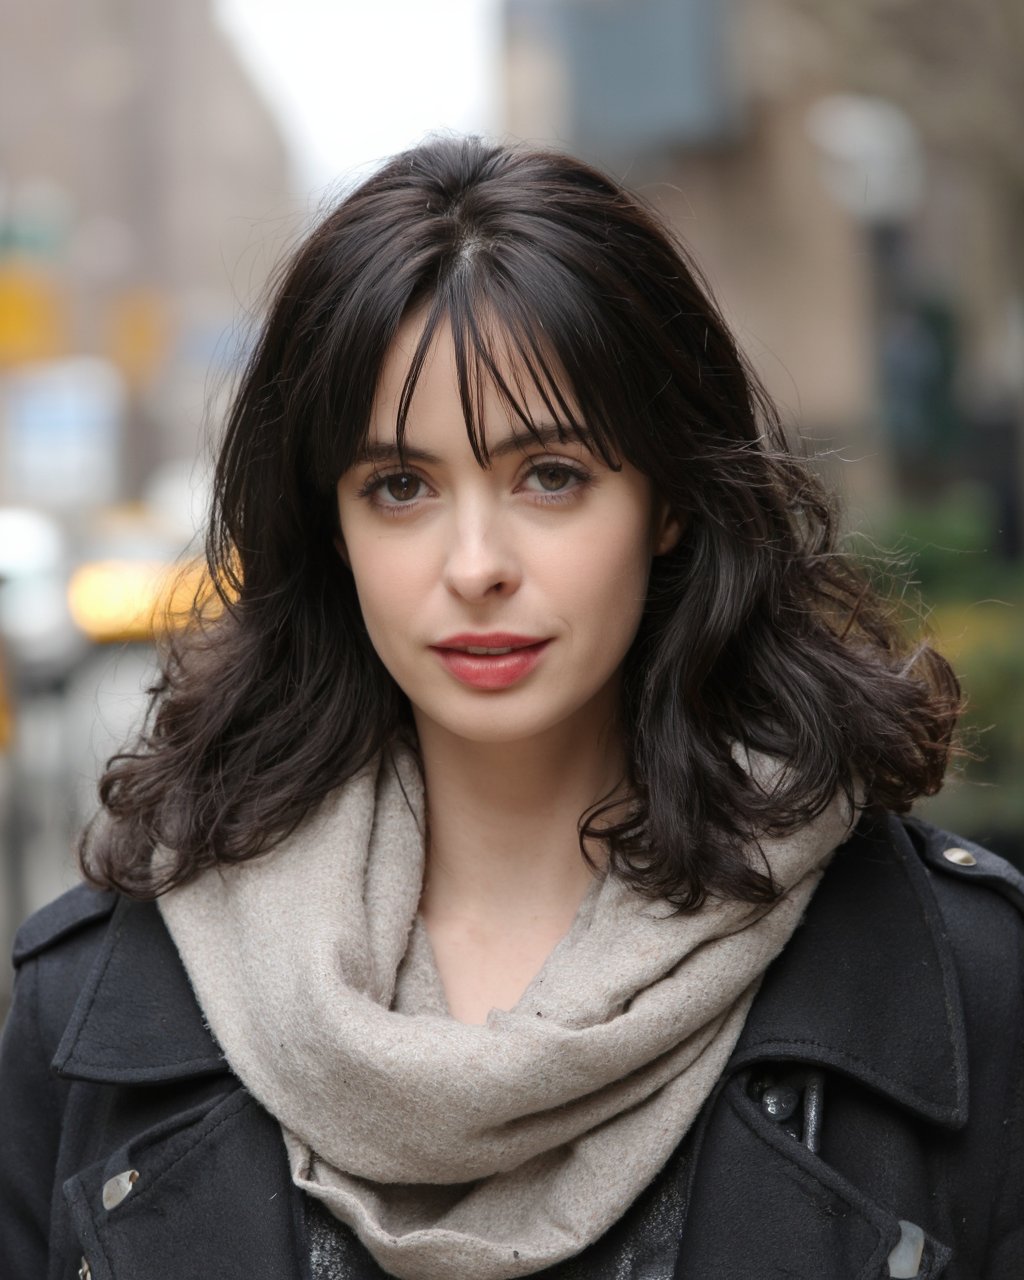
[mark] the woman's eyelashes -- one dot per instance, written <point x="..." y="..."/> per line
<point x="547" y="481"/>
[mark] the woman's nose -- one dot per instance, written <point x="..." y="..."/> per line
<point x="480" y="558"/>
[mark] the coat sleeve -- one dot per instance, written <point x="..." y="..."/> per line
<point x="1005" y="1260"/>
<point x="30" y="1111"/>
<point x="988" y="945"/>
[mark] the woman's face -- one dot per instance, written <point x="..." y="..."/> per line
<point x="541" y="559"/>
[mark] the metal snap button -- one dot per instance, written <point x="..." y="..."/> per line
<point x="117" y="1188"/>
<point x="960" y="856"/>
<point x="780" y="1102"/>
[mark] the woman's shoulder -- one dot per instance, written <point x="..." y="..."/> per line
<point x="980" y="897"/>
<point x="54" y="952"/>
<point x="967" y="882"/>
<point x="980" y="900"/>
<point x="962" y="861"/>
<point x="110" y="999"/>
<point x="61" y="920"/>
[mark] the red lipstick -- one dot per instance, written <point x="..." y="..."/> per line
<point x="488" y="640"/>
<point x="516" y="657"/>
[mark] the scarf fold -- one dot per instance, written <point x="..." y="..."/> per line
<point x="460" y="1152"/>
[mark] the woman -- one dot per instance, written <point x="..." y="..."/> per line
<point x="528" y="898"/>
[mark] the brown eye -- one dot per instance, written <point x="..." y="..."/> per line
<point x="553" y="478"/>
<point x="402" y="487"/>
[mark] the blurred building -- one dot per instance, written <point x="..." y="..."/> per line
<point x="143" y="193"/>
<point x="851" y="180"/>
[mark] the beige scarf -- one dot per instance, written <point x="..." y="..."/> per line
<point x="462" y="1152"/>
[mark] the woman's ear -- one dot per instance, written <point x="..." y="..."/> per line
<point x="668" y="527"/>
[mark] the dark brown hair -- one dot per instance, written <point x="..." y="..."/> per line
<point x="757" y="630"/>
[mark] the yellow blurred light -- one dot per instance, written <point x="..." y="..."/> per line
<point x="139" y="335"/>
<point x="32" y="316"/>
<point x="114" y="601"/>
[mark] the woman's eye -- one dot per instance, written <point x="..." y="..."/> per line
<point x="552" y="477"/>
<point x="398" y="488"/>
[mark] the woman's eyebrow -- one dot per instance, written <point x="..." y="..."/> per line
<point x="388" y="451"/>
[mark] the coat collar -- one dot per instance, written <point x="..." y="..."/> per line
<point x="866" y="986"/>
<point x="137" y="1020"/>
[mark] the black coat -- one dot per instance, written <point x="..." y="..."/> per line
<point x="904" y="986"/>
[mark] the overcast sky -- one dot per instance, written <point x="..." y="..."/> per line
<point x="354" y="80"/>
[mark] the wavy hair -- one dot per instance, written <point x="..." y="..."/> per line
<point x="757" y="630"/>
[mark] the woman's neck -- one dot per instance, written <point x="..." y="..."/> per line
<point x="503" y="820"/>
<point x="504" y="874"/>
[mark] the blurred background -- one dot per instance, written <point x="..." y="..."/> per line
<point x="850" y="176"/>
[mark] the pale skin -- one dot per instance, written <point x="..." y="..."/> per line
<point x="547" y="542"/>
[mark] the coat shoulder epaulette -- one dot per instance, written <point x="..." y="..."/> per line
<point x="66" y="915"/>
<point x="966" y="861"/>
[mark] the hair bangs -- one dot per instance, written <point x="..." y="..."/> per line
<point x="503" y="343"/>
<point x="548" y="322"/>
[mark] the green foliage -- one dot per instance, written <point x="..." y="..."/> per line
<point x="948" y="547"/>
<point x="972" y="610"/>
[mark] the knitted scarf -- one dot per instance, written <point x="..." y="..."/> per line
<point x="460" y="1152"/>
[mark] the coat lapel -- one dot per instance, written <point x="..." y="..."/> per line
<point x="867" y="984"/>
<point x="879" y="1004"/>
<point x="761" y="1205"/>
<point x="214" y="1194"/>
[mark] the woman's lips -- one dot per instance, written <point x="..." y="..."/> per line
<point x="494" y="670"/>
